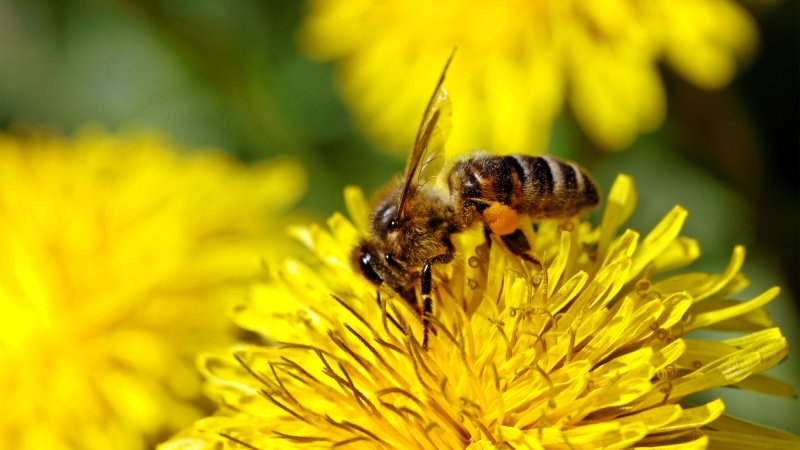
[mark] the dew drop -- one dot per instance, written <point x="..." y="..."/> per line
<point x="642" y="286"/>
<point x="473" y="284"/>
<point x="697" y="364"/>
<point x="473" y="262"/>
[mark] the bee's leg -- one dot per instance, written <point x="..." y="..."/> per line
<point x="519" y="245"/>
<point x="427" y="310"/>
<point x="487" y="234"/>
<point x="425" y="290"/>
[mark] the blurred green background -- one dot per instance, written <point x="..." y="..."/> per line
<point x="229" y="75"/>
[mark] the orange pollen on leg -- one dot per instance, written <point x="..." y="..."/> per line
<point x="501" y="219"/>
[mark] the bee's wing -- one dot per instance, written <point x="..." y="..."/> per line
<point x="437" y="130"/>
<point x="427" y="157"/>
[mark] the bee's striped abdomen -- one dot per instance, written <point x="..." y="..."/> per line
<point x="555" y="188"/>
<point x="538" y="186"/>
<point x="480" y="181"/>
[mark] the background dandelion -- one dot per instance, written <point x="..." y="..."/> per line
<point x="120" y="258"/>
<point x="520" y="63"/>
<point x="231" y="76"/>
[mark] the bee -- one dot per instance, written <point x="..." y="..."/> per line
<point x="412" y="221"/>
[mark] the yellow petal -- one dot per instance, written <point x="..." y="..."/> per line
<point x="555" y="270"/>
<point x="660" y="238"/>
<point x="730" y="440"/>
<point x="692" y="418"/>
<point x="680" y="253"/>
<point x="711" y="317"/>
<point x="766" y="385"/>
<point x="732" y="368"/>
<point x="620" y="203"/>
<point x="357" y="207"/>
<point x="699" y="443"/>
<point x="753" y="430"/>
<point x="722" y="280"/>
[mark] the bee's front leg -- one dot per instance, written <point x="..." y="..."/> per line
<point x="425" y="290"/>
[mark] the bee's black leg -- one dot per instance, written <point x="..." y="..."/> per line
<point x="425" y="290"/>
<point x="487" y="234"/>
<point x="519" y="245"/>
<point x="427" y="310"/>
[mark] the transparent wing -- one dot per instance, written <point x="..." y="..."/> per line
<point x="441" y="124"/>
<point x="427" y="157"/>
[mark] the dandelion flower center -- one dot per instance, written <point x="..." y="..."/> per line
<point x="592" y="351"/>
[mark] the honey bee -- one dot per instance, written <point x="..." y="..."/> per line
<point x="412" y="221"/>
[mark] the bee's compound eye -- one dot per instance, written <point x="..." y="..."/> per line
<point x="365" y="262"/>
<point x="387" y="217"/>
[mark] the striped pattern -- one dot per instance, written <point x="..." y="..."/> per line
<point x="538" y="186"/>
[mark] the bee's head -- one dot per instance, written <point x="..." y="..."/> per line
<point x="390" y="233"/>
<point x="380" y="267"/>
<point x="415" y="236"/>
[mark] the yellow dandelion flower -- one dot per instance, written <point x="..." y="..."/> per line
<point x="591" y="352"/>
<point x="117" y="257"/>
<point x="519" y="62"/>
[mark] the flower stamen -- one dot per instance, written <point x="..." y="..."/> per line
<point x="238" y="441"/>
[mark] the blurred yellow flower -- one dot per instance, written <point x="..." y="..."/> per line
<point x="591" y="352"/>
<point x="519" y="62"/>
<point x="117" y="258"/>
